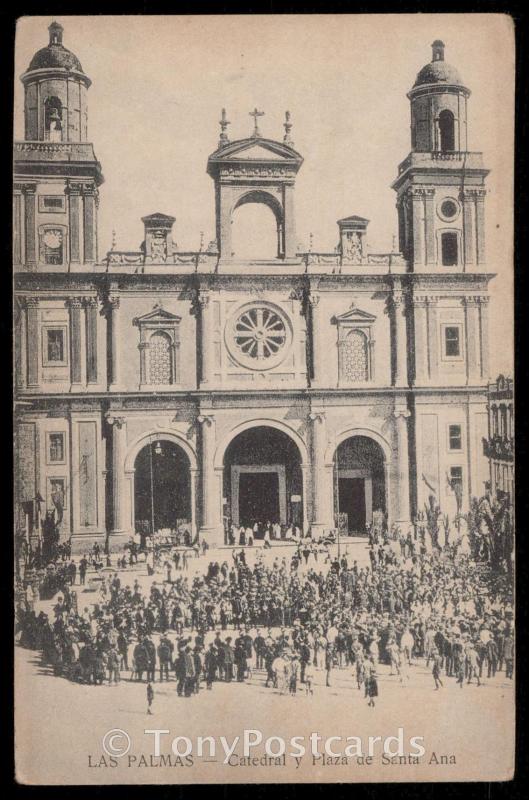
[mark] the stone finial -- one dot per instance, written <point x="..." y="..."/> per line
<point x="223" y="122"/>
<point x="287" y="125"/>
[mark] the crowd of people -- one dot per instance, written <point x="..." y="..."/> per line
<point x="247" y="533"/>
<point x="307" y="612"/>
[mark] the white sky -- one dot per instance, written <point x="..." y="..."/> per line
<point x="159" y="84"/>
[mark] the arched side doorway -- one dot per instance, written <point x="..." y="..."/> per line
<point x="162" y="495"/>
<point x="360" y="491"/>
<point x="262" y="478"/>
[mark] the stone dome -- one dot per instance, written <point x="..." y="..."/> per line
<point x="55" y="55"/>
<point x="438" y="70"/>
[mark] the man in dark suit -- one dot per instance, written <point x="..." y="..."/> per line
<point x="165" y="654"/>
<point x="228" y="659"/>
<point x="150" y="647"/>
<point x="259" y="647"/>
<point x="211" y="660"/>
<point x="180" y="669"/>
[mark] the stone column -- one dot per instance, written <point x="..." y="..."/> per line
<point x="484" y="336"/>
<point x="225" y="243"/>
<point x="29" y="226"/>
<point x="289" y="222"/>
<point x="74" y="306"/>
<point x="430" y="226"/>
<point x="473" y="349"/>
<point x="420" y="340"/>
<point x="480" y="225"/>
<point x="206" y="338"/>
<point x="433" y="339"/>
<point x="89" y="224"/>
<point x="305" y="478"/>
<point x="418" y="224"/>
<point x="17" y="224"/>
<point x="74" y="193"/>
<point x="91" y="306"/>
<point x="211" y="527"/>
<point x="399" y="308"/>
<point x="32" y="340"/>
<point x="319" y="442"/>
<point x="193" y="474"/>
<point x="316" y="340"/>
<point x="468" y="227"/>
<point x="401" y="415"/>
<point x="119" y="441"/>
<point x="113" y="311"/>
<point x="21" y="346"/>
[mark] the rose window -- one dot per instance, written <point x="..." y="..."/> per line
<point x="258" y="337"/>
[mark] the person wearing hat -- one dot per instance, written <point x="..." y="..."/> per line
<point x="228" y="659"/>
<point x="259" y="647"/>
<point x="371" y="686"/>
<point x="165" y="655"/>
<point x="210" y="664"/>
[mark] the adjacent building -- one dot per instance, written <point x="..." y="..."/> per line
<point x="498" y="447"/>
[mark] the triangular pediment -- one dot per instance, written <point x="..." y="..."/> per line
<point x="355" y="315"/>
<point x="256" y="153"/>
<point x="254" y="150"/>
<point x="157" y="315"/>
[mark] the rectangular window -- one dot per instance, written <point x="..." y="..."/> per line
<point x="452" y="341"/>
<point x="454" y="437"/>
<point x="449" y="249"/>
<point x="456" y="478"/>
<point x="55" y="345"/>
<point x="52" y="203"/>
<point x="56" y="448"/>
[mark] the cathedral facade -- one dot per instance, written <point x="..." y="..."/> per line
<point x="160" y="388"/>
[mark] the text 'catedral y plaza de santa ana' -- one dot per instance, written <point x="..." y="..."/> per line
<point x="159" y="388"/>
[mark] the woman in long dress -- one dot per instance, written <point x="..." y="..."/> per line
<point x="279" y="666"/>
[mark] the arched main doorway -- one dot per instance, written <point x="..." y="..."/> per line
<point x="262" y="478"/>
<point x="359" y="483"/>
<point x="162" y="488"/>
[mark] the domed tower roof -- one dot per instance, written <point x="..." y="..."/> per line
<point x="438" y="71"/>
<point x="55" y="55"/>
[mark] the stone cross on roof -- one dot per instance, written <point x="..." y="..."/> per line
<point x="255" y="114"/>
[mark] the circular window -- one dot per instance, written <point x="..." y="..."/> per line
<point x="448" y="209"/>
<point x="258" y="336"/>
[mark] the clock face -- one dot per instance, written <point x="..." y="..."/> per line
<point x="53" y="239"/>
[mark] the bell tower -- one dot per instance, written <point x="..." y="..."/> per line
<point x="441" y="184"/>
<point x="57" y="174"/>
